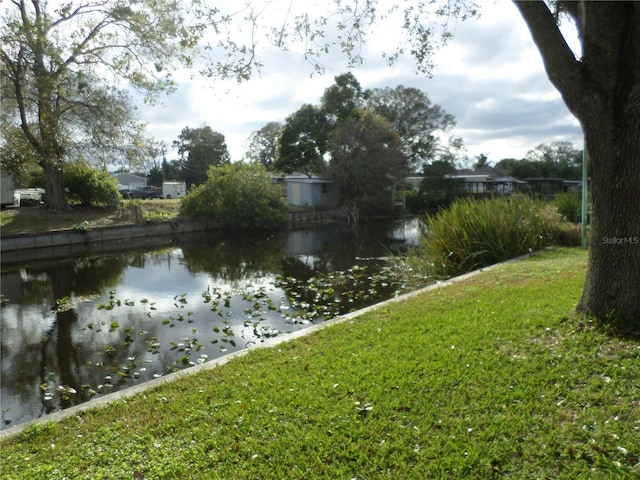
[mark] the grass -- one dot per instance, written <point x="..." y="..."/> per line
<point x="37" y="219"/>
<point x="492" y="377"/>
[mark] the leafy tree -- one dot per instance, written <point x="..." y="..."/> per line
<point x="521" y="168"/>
<point x="89" y="186"/>
<point x="343" y="99"/>
<point x="415" y="119"/>
<point x="263" y="145"/>
<point x="558" y="159"/>
<point x="17" y="156"/>
<point x="171" y="171"/>
<point x="303" y="142"/>
<point x="438" y="189"/>
<point x="366" y="180"/>
<point x="555" y="152"/>
<point x="483" y="161"/>
<point x="145" y="155"/>
<point x="51" y="56"/>
<point x="200" y="148"/>
<point x="237" y="196"/>
<point x="366" y="164"/>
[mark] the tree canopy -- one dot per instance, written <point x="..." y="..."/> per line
<point x="200" y="148"/>
<point x="263" y="145"/>
<point x="303" y="142"/>
<point x="408" y="112"/>
<point x="65" y="67"/>
<point x="366" y="164"/>
<point x="416" y="120"/>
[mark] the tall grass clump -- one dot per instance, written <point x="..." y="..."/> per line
<point x="476" y="233"/>
<point x="569" y="205"/>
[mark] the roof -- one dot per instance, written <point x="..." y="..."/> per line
<point x="128" y="175"/>
<point x="508" y="180"/>
<point x="491" y="172"/>
<point x="304" y="178"/>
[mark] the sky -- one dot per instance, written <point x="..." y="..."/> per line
<point x="490" y="77"/>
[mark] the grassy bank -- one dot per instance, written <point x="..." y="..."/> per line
<point x="492" y="377"/>
<point x="37" y="219"/>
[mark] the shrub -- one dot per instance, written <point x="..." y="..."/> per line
<point x="569" y="205"/>
<point x="237" y="196"/>
<point x="559" y="230"/>
<point x="475" y="233"/>
<point x="90" y="186"/>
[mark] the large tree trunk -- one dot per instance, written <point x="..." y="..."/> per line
<point x="54" y="190"/>
<point x="612" y="288"/>
<point x="602" y="89"/>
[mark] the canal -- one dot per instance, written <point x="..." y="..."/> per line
<point x="78" y="328"/>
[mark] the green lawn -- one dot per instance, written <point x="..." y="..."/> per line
<point x="492" y="377"/>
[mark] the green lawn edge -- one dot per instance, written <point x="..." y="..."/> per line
<point x="489" y="377"/>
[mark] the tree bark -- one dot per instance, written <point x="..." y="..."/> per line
<point x="602" y="89"/>
<point x="612" y="288"/>
<point x="54" y="200"/>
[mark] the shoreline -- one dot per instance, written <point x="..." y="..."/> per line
<point x="27" y="247"/>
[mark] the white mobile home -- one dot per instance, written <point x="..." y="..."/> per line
<point x="7" y="189"/>
<point x="308" y="191"/>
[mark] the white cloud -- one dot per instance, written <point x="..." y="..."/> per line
<point x="490" y="77"/>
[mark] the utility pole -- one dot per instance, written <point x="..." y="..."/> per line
<point x="585" y="194"/>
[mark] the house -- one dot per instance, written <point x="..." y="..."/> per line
<point x="128" y="181"/>
<point x="545" y="188"/>
<point x="507" y="185"/>
<point x="478" y="181"/>
<point x="307" y="191"/>
<point x="488" y="181"/>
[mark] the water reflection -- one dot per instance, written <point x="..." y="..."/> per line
<point x="75" y="329"/>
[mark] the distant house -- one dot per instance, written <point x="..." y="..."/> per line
<point x="488" y="180"/>
<point x="306" y="191"/>
<point x="507" y="185"/>
<point x="128" y="181"/>
<point x="545" y="188"/>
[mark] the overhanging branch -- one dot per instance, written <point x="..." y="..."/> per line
<point x="564" y="71"/>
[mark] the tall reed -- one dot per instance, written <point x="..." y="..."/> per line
<point x="475" y="233"/>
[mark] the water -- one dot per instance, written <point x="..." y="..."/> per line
<point x="75" y="329"/>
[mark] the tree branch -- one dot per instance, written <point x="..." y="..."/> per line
<point x="564" y="70"/>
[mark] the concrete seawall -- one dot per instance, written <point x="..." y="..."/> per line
<point x="63" y="243"/>
<point x="28" y="247"/>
